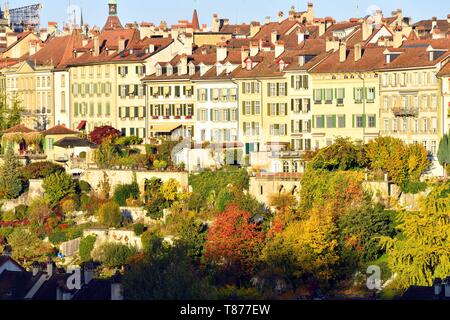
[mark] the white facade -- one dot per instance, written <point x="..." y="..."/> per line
<point x="217" y="114"/>
<point x="446" y="104"/>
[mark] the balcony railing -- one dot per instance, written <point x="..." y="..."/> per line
<point x="405" y="112"/>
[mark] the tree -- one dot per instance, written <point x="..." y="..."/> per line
<point x="27" y="246"/>
<point x="362" y="227"/>
<point x="233" y="243"/>
<point x="126" y="191"/>
<point x="106" y="155"/>
<point x="10" y="183"/>
<point x="403" y="163"/>
<point x="341" y="155"/>
<point x="422" y="252"/>
<point x="15" y="111"/>
<point x="306" y="248"/>
<point x="113" y="255"/>
<point x="444" y="153"/>
<point x="169" y="275"/>
<point x="103" y="134"/>
<point x="39" y="211"/>
<point x="191" y="234"/>
<point x="40" y="170"/>
<point x="58" y="186"/>
<point x="169" y="191"/>
<point x="110" y="215"/>
<point x="86" y="246"/>
<point x="104" y="187"/>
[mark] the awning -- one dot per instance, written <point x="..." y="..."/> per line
<point x="73" y="142"/>
<point x="82" y="125"/>
<point x="164" y="128"/>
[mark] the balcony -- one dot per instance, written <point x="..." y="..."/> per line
<point x="405" y="112"/>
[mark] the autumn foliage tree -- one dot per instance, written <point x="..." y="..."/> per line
<point x="101" y="134"/>
<point x="234" y="243"/>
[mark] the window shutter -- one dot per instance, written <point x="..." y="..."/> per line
<point x="278" y="89"/>
<point x="292" y="126"/>
<point x="323" y="121"/>
<point x="278" y="109"/>
<point x="305" y="82"/>
<point x="322" y="95"/>
<point x="334" y="121"/>
<point x="253" y="107"/>
<point x="243" y="108"/>
<point x="313" y="122"/>
<point x="364" y="121"/>
<point x="292" y="105"/>
<point x="292" y="81"/>
<point x="354" y="93"/>
<point x="268" y="89"/>
<point x="353" y="121"/>
<point x="75" y="106"/>
<point x="268" y="109"/>
<point x="365" y="93"/>
<point x="314" y="95"/>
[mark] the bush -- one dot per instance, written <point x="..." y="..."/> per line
<point x="126" y="191"/>
<point x="83" y="155"/>
<point x="113" y="255"/>
<point x="68" y="205"/>
<point x="414" y="187"/>
<point x="58" y="237"/>
<point x="139" y="229"/>
<point x="110" y="215"/>
<point x="8" y="216"/>
<point x="40" y="170"/>
<point x="58" y="186"/>
<point x="86" y="246"/>
<point x="129" y="141"/>
<point x="90" y="204"/>
<point x="21" y="212"/>
<point x="5" y="232"/>
<point x="84" y="186"/>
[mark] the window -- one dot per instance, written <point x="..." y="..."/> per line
<point x="371" y="95"/>
<point x="358" y="95"/>
<point x="272" y="89"/>
<point x="359" y="121"/>
<point x="257" y="108"/>
<point x="372" y="121"/>
<point x="286" y="166"/>
<point x="328" y="96"/>
<point x="386" y="125"/>
<point x="318" y="96"/>
<point x="340" y="96"/>
<point x="386" y="103"/>
<point x="63" y="102"/>
<point x="320" y="122"/>
<point x="256" y="128"/>
<point x="297" y="105"/>
<point x="247" y="108"/>
<point x="247" y="128"/>
<point x="434" y="147"/>
<point x="330" y="122"/>
<point x="298" y="82"/>
<point x="341" y="121"/>
<point x="282" y="89"/>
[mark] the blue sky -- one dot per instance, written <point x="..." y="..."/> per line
<point x="95" y="12"/>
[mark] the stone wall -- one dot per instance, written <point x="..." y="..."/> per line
<point x="263" y="188"/>
<point x="117" y="177"/>
<point x="125" y="237"/>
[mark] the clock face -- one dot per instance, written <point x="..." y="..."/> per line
<point x="112" y="8"/>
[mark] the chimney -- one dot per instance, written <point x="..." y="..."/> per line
<point x="342" y="51"/>
<point x="279" y="48"/>
<point x="216" y="24"/>
<point x="7" y="251"/>
<point x="88" y="273"/>
<point x="366" y="30"/>
<point x="437" y="284"/>
<point x="447" y="287"/>
<point x="300" y="36"/>
<point x="50" y="267"/>
<point x="116" y="287"/>
<point x="221" y="53"/>
<point x="267" y="20"/>
<point x="36" y="267"/>
<point x="310" y="9"/>
<point x="433" y="23"/>
<point x="331" y="44"/>
<point x="378" y="18"/>
<point x="292" y="13"/>
<point x="322" y="28"/>
<point x="32" y="47"/>
<point x="280" y="16"/>
<point x="96" y="46"/>
<point x="121" y="44"/>
<point x="358" y="52"/>
<point x="254" y="49"/>
<point x="151" y="48"/>
<point x="244" y="55"/>
<point x="254" y="28"/>
<point x="398" y="38"/>
<point x="274" y="37"/>
<point x="184" y="68"/>
<point x="448" y="18"/>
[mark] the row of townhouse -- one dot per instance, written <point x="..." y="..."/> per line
<point x="290" y="88"/>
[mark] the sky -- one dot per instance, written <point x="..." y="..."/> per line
<point x="238" y="11"/>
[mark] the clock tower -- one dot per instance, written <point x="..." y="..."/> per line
<point x="112" y="7"/>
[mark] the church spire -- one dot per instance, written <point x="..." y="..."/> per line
<point x="195" y="22"/>
<point x="112" y="4"/>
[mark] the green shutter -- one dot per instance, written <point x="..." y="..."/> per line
<point x="292" y="105"/>
<point x="292" y="82"/>
<point x="323" y="121"/>
<point x="353" y="121"/>
<point x="334" y="121"/>
<point x="243" y="108"/>
<point x="322" y="97"/>
<point x="313" y="122"/>
<point x="365" y="93"/>
<point x="75" y="108"/>
<point x="364" y="121"/>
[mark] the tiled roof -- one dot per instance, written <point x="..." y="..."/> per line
<point x="413" y="57"/>
<point x="241" y="29"/>
<point x="282" y="28"/>
<point x="443" y="25"/>
<point x="445" y="70"/>
<point x="59" y="130"/>
<point x="18" y="129"/>
<point x="371" y="59"/>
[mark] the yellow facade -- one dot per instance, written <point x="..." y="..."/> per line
<point x="94" y="96"/>
<point x="345" y="105"/>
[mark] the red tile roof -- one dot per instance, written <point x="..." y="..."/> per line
<point x="59" y="130"/>
<point x="445" y="70"/>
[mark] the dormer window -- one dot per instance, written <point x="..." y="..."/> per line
<point x="158" y="71"/>
<point x="282" y="65"/>
<point x="169" y="70"/>
<point x="248" y="64"/>
<point x="191" y="70"/>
